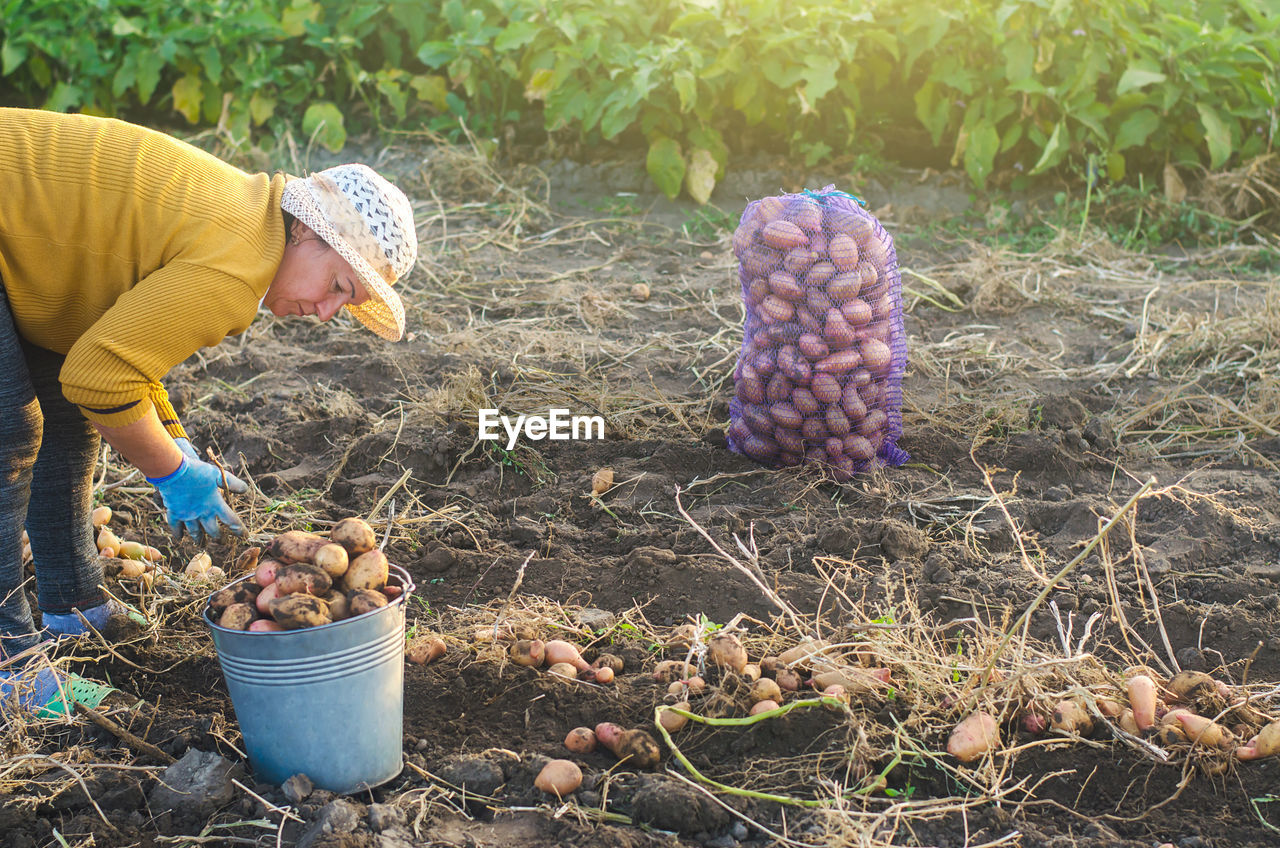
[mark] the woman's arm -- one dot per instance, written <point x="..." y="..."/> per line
<point x="146" y="445"/>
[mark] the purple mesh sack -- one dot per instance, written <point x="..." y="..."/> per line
<point x="819" y="377"/>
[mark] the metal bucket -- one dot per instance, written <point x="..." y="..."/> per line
<point x="327" y="701"/>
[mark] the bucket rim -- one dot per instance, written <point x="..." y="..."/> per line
<point x="400" y="573"/>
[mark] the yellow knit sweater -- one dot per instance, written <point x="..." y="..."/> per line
<point x="128" y="250"/>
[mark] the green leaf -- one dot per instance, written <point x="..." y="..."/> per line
<point x="63" y="97"/>
<point x="431" y="88"/>
<point x="665" y="165"/>
<point x="693" y="19"/>
<point x="124" y="26"/>
<point x="517" y="34"/>
<point x="150" y="65"/>
<point x="980" y="154"/>
<point x="745" y="89"/>
<point x="620" y="111"/>
<point x="125" y="76"/>
<point x="1136" y="129"/>
<point x="325" y="121"/>
<point x="188" y="96"/>
<point x="388" y="85"/>
<point x="1115" y="167"/>
<point x="1137" y="77"/>
<point x="819" y="76"/>
<point x="1019" y="58"/>
<point x="686" y="86"/>
<point x="261" y="107"/>
<point x="711" y="140"/>
<point x="1217" y="134"/>
<point x="1054" y="149"/>
<point x="700" y="177"/>
<point x="433" y="54"/>
<point x="294" y="19"/>
<point x="40" y="70"/>
<point x="12" y="55"/>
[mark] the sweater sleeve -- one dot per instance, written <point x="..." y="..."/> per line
<point x="113" y="371"/>
<point x="168" y="416"/>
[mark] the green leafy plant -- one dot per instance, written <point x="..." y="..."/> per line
<point x="1007" y="90"/>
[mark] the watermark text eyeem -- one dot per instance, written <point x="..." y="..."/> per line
<point x="557" y="424"/>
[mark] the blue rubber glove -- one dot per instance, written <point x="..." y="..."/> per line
<point x="191" y="497"/>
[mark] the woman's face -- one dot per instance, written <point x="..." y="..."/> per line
<point x="313" y="279"/>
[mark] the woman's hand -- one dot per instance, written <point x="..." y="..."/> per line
<point x="192" y="500"/>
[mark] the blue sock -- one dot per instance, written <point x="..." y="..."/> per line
<point x="34" y="690"/>
<point x="69" y="624"/>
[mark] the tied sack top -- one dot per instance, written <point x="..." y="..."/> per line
<point x="127" y="251"/>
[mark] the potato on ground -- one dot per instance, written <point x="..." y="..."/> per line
<point x="528" y="652"/>
<point x="564" y="670"/>
<point x="297" y="611"/>
<point x="765" y="689"/>
<point x="672" y="721"/>
<point x="974" y="737"/>
<point x="581" y="740"/>
<point x="726" y="651"/>
<point x="424" y="651"/>
<point x="637" y="749"/>
<point x="609" y="661"/>
<point x="559" y="777"/>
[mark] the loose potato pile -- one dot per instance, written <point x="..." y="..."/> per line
<point x="769" y="682"/>
<point x="306" y="580"/>
<point x="819" y="376"/>
<point x="716" y="681"/>
<point x="1190" y="710"/>
<point x="735" y="683"/>
<point x="122" y="557"/>
<point x="564" y="660"/>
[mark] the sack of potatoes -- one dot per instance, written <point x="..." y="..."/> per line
<point x="306" y="580"/>
<point x="819" y="376"/>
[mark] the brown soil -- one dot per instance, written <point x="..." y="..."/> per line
<point x="1025" y="431"/>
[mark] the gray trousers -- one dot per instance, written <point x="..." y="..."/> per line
<point x="48" y="451"/>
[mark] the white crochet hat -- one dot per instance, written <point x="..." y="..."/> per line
<point x="370" y="223"/>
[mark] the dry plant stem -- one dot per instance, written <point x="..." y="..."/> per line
<point x="751" y="575"/>
<point x="1155" y="606"/>
<point x="515" y="587"/>
<point x="1113" y="589"/>
<point x="264" y="802"/>
<point x="134" y="742"/>
<point x="69" y="770"/>
<point x="217" y="462"/>
<point x="378" y="506"/>
<point x="1025" y="619"/>
<point x="210" y="840"/>
<point x="1004" y="510"/>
